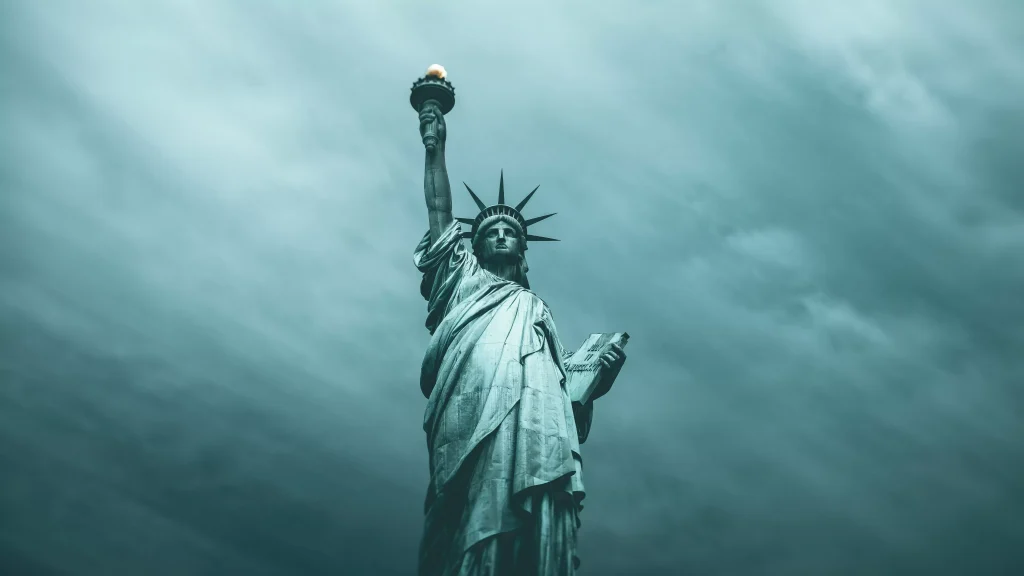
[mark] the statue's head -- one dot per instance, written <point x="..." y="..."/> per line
<point x="499" y="234"/>
<point x="500" y="242"/>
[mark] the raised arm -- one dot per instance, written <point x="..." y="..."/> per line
<point x="436" y="187"/>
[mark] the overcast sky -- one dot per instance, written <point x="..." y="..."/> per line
<point x="808" y="215"/>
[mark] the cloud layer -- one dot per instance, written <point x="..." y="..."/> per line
<point x="808" y="217"/>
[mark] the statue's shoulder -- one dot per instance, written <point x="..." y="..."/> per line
<point x="546" y="309"/>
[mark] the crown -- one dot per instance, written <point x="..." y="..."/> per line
<point x="502" y="210"/>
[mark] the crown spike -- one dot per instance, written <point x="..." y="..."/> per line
<point x="501" y="188"/>
<point x="522" y="204"/>
<point x="532" y="238"/>
<point x="533" y="221"/>
<point x="469" y="221"/>
<point x="466" y="235"/>
<point x="479" y="203"/>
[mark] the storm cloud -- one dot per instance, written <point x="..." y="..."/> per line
<point x="808" y="215"/>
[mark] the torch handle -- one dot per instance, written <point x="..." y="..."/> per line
<point x="430" y="130"/>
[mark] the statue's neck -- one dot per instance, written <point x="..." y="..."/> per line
<point x="506" y="270"/>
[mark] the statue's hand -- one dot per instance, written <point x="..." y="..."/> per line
<point x="613" y="359"/>
<point x="611" y="362"/>
<point x="432" y="114"/>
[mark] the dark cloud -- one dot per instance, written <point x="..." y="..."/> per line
<point x="809" y="218"/>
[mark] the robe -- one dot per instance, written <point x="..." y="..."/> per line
<point x="505" y="469"/>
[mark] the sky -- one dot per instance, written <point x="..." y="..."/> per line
<point x="809" y="216"/>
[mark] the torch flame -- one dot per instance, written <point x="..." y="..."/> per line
<point x="437" y="71"/>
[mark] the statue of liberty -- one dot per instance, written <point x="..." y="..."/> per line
<point x="503" y="436"/>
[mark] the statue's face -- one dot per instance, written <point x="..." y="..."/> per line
<point x="500" y="241"/>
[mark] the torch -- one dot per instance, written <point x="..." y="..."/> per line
<point x="432" y="89"/>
